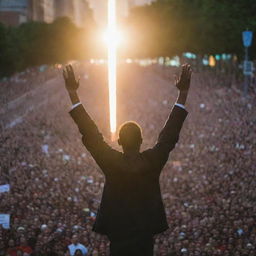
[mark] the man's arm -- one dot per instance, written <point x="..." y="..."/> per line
<point x="91" y="137"/>
<point x="169" y="135"/>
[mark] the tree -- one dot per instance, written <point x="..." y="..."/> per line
<point x="170" y="27"/>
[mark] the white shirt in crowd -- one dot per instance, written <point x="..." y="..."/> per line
<point x="73" y="247"/>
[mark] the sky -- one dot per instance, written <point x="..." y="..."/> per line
<point x="100" y="8"/>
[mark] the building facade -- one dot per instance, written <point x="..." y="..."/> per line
<point x="42" y="10"/>
<point x="13" y="12"/>
<point x="140" y="2"/>
<point x="76" y="10"/>
<point x="123" y="7"/>
<point x="100" y="8"/>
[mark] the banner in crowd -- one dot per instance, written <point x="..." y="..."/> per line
<point x="5" y="220"/>
<point x="4" y="188"/>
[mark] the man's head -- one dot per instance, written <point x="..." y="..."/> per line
<point x="130" y="136"/>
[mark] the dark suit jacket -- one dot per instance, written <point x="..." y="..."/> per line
<point x="131" y="197"/>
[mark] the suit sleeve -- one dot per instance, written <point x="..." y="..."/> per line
<point x="168" y="137"/>
<point x="93" y="140"/>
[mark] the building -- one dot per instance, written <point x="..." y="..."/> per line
<point x="123" y="6"/>
<point x="42" y="10"/>
<point x="140" y="2"/>
<point x="64" y="8"/>
<point x="81" y="12"/>
<point x="13" y="12"/>
<point x="100" y="8"/>
<point x="76" y="10"/>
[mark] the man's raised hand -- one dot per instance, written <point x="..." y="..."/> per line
<point x="183" y="82"/>
<point x="70" y="81"/>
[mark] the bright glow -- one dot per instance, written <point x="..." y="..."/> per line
<point x="112" y="59"/>
<point x="113" y="37"/>
<point x="128" y="61"/>
<point x="212" y="61"/>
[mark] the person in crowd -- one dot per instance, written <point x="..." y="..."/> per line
<point x="76" y="248"/>
<point x="11" y="250"/>
<point x="24" y="246"/>
<point x="20" y="252"/>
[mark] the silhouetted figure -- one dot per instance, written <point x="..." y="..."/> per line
<point x="131" y="209"/>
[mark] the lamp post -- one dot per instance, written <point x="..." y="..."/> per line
<point x="247" y="67"/>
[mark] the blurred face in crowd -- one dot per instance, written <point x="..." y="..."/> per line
<point x="11" y="243"/>
<point x="19" y="253"/>
<point x="1" y="244"/>
<point x="23" y="241"/>
<point x="74" y="239"/>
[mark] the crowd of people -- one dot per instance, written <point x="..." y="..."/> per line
<point x="208" y="184"/>
<point x="20" y="83"/>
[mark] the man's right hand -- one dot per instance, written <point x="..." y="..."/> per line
<point x="70" y="81"/>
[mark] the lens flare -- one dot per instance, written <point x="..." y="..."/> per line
<point x="113" y="37"/>
<point x="112" y="61"/>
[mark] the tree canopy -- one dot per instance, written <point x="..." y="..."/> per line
<point x="37" y="43"/>
<point x="171" y="27"/>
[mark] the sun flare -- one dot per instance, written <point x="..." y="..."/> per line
<point x="112" y="42"/>
<point x="113" y="37"/>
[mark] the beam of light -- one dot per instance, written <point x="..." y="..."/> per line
<point x="112" y="61"/>
<point x="113" y="38"/>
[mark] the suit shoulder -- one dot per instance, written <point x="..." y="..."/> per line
<point x="146" y="153"/>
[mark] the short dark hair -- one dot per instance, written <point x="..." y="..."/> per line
<point x="130" y="135"/>
<point x="78" y="251"/>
